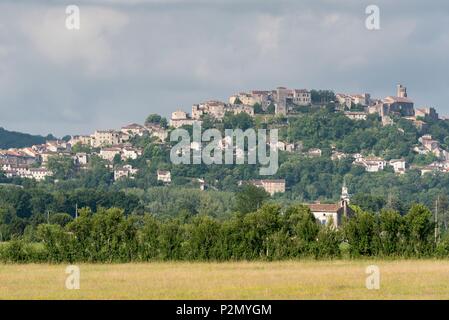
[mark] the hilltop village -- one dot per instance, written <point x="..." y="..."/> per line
<point x="120" y="149"/>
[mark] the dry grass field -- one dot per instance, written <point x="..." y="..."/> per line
<point x="405" y="279"/>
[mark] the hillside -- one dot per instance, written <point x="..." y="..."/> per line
<point x="12" y="139"/>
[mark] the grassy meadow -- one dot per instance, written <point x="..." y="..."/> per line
<point x="340" y="279"/>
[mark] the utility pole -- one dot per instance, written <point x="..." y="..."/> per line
<point x="436" y="219"/>
<point x="389" y="201"/>
<point x="76" y="210"/>
<point x="48" y="216"/>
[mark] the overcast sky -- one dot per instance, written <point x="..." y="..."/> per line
<point x="131" y="58"/>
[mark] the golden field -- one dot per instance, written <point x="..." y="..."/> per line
<point x="343" y="279"/>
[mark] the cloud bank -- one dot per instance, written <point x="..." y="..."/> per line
<point x="132" y="58"/>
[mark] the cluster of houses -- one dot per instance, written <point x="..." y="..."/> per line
<point x="115" y="144"/>
<point x="111" y="145"/>
<point x="375" y="163"/>
<point x="399" y="105"/>
<point x="30" y="162"/>
<point x="24" y="171"/>
<point x="284" y="99"/>
<point x="215" y="109"/>
<point x="116" y="137"/>
<point x="281" y="99"/>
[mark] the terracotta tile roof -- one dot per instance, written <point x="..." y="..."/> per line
<point x="133" y="126"/>
<point x="262" y="92"/>
<point x="318" y="207"/>
<point x="390" y="99"/>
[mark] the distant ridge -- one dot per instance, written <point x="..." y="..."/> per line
<point x="12" y="139"/>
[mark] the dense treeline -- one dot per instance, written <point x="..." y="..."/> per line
<point x="308" y="179"/>
<point x="270" y="233"/>
<point x="321" y="129"/>
<point x="12" y="139"/>
<point x="22" y="209"/>
<point x="38" y="219"/>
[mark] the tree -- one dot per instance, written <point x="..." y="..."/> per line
<point x="202" y="236"/>
<point x="153" y="119"/>
<point x="258" y="108"/>
<point x="98" y="174"/>
<point x="163" y="123"/>
<point x="241" y="120"/>
<point x="390" y="232"/>
<point x="250" y="198"/>
<point x="79" y="147"/>
<point x="11" y="139"/>
<point x="117" y="159"/>
<point x="368" y="202"/>
<point x="302" y="223"/>
<point x="419" y="228"/>
<point x="260" y="226"/>
<point x="62" y="167"/>
<point x="322" y="96"/>
<point x="10" y="224"/>
<point x="61" y="219"/>
<point x="359" y="231"/>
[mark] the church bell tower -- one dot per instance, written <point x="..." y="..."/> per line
<point x="344" y="193"/>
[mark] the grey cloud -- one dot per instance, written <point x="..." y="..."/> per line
<point x="145" y="56"/>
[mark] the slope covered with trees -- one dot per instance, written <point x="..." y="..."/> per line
<point x="12" y="139"/>
<point x="270" y="233"/>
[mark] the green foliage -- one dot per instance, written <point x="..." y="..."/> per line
<point x="79" y="147"/>
<point x="359" y="232"/>
<point x="258" y="108"/>
<point x="62" y="167"/>
<point x="153" y="118"/>
<point x="322" y="96"/>
<point x="10" y="224"/>
<point x="61" y="219"/>
<point x="20" y="205"/>
<point x="168" y="202"/>
<point x="368" y="202"/>
<point x="329" y="243"/>
<point x="442" y="249"/>
<point x="270" y="233"/>
<point x="250" y="198"/>
<point x="241" y="120"/>
<point x="390" y="234"/>
<point x="189" y="224"/>
<point x="12" y="139"/>
<point x="419" y="230"/>
<point x="20" y="251"/>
